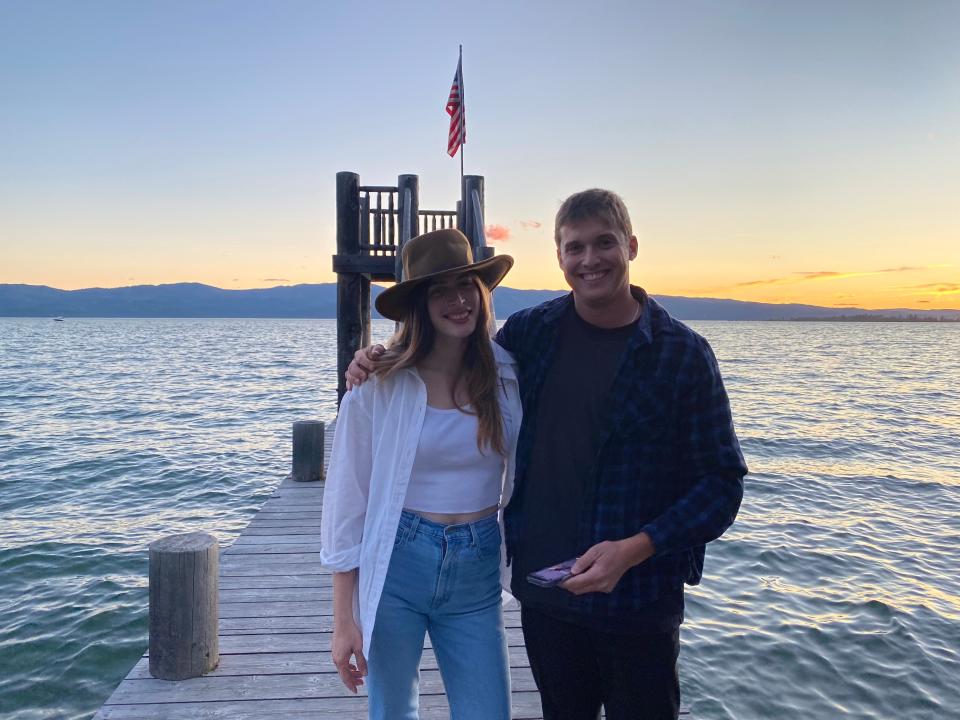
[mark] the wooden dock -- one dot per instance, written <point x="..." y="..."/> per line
<point x="276" y="621"/>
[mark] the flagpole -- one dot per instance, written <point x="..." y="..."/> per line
<point x="463" y="112"/>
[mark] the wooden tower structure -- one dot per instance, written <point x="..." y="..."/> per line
<point x="373" y="223"/>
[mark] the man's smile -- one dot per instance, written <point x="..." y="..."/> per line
<point x="595" y="275"/>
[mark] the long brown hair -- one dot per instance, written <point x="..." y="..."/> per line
<point x="413" y="342"/>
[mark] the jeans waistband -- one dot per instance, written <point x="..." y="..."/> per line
<point x="413" y="523"/>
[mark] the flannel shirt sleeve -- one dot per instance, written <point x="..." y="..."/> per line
<point x="712" y="458"/>
<point x="347" y="486"/>
<point x="508" y="335"/>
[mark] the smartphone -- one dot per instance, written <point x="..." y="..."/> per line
<point x="553" y="575"/>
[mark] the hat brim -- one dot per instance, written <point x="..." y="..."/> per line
<point x="394" y="302"/>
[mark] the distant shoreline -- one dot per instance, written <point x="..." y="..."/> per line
<point x="194" y="300"/>
<point x="878" y="318"/>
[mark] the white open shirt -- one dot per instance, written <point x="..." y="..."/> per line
<point x="378" y="429"/>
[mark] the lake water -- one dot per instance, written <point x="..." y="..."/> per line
<point x="835" y="594"/>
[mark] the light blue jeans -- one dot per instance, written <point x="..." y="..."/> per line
<point x="443" y="580"/>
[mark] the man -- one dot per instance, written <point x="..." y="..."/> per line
<point x="627" y="460"/>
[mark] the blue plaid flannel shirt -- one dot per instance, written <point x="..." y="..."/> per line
<point x="669" y="463"/>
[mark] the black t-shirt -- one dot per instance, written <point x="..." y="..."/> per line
<point x="568" y="422"/>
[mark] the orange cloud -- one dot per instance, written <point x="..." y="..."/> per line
<point x="775" y="281"/>
<point x="818" y="274"/>
<point x="826" y="275"/>
<point x="832" y="275"/>
<point x="941" y="288"/>
<point x="497" y="233"/>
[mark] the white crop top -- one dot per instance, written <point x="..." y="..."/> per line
<point x="450" y="474"/>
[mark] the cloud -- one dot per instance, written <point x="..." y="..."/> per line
<point x="530" y="224"/>
<point x="831" y="275"/>
<point x="939" y="288"/>
<point x="274" y="280"/>
<point x="810" y="275"/>
<point x="791" y="279"/>
<point x="774" y="281"/>
<point x="818" y="274"/>
<point x="796" y="278"/>
<point x="497" y="233"/>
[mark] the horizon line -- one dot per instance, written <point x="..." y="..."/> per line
<point x="848" y="307"/>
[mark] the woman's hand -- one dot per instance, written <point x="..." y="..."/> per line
<point x="347" y="642"/>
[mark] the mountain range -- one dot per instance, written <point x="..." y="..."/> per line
<point x="320" y="301"/>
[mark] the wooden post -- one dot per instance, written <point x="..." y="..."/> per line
<point x="183" y="606"/>
<point x="350" y="321"/>
<point x="364" y="312"/>
<point x="308" y="450"/>
<point x="473" y="222"/>
<point x="404" y="183"/>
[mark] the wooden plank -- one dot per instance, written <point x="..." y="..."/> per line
<point x="291" y="507"/>
<point x="525" y="706"/>
<point x="298" y="662"/>
<point x="280" y="609"/>
<point x="318" y="621"/>
<point x="234" y="562"/>
<point x="288" y="483"/>
<point x="260" y="531"/>
<point x="275" y="548"/>
<point x="276" y="539"/>
<point x="276" y="595"/>
<point x="243" y="557"/>
<point x="287" y="510"/>
<point x="299" y="685"/>
<point x="280" y="567"/>
<point x="298" y="520"/>
<point x="278" y="642"/>
<point x="378" y="267"/>
<point x="292" y="515"/>
<point x="276" y="581"/>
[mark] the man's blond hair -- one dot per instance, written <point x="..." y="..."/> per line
<point x="595" y="203"/>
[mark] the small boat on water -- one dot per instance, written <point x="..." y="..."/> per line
<point x="58" y="319"/>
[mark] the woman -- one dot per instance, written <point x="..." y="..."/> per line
<point x="422" y="459"/>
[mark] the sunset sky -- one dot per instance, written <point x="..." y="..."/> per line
<point x="778" y="152"/>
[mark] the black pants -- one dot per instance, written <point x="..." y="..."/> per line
<point x="634" y="677"/>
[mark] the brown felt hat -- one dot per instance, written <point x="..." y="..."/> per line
<point x="435" y="255"/>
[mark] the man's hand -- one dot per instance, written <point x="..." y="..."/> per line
<point x="348" y="641"/>
<point x="600" y="568"/>
<point x="360" y="367"/>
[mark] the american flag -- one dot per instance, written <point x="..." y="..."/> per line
<point x="458" y="128"/>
